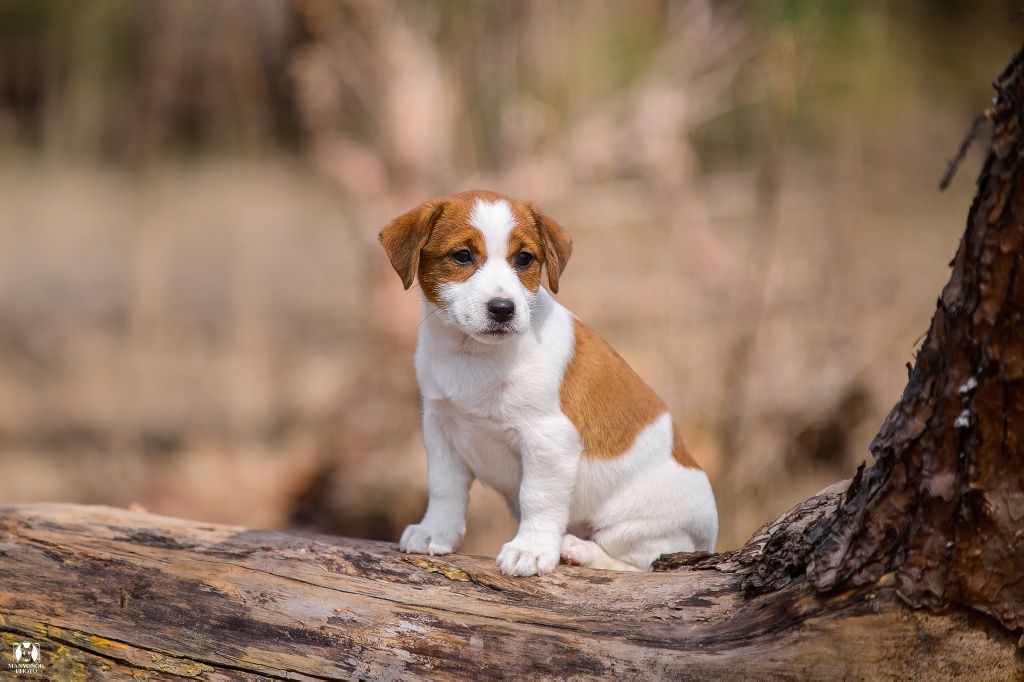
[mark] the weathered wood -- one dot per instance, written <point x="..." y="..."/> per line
<point x="113" y="592"/>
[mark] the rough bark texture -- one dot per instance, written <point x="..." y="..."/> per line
<point x="943" y="505"/>
<point x="112" y="593"/>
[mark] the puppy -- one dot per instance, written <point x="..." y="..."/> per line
<point x="524" y="397"/>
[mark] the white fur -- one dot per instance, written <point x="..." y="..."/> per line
<point x="491" y="411"/>
<point x="643" y="503"/>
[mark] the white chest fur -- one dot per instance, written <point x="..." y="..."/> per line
<point x="483" y="396"/>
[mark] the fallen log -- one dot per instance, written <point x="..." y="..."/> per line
<point x="111" y="592"/>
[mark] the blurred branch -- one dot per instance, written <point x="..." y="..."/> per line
<point x="965" y="145"/>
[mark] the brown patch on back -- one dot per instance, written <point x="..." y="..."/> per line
<point x="679" y="451"/>
<point x="607" y="402"/>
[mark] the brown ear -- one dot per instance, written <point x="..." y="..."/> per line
<point x="404" y="238"/>
<point x="557" y="247"/>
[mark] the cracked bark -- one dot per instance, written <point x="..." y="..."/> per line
<point x="913" y="568"/>
<point x="943" y="506"/>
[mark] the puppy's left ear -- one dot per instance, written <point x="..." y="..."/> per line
<point x="557" y="246"/>
<point x="404" y="238"/>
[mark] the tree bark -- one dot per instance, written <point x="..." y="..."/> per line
<point x="835" y="587"/>
<point x="943" y="505"/>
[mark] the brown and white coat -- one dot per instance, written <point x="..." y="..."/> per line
<point x="522" y="396"/>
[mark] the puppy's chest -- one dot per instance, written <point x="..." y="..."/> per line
<point x="483" y="407"/>
<point x="488" y="391"/>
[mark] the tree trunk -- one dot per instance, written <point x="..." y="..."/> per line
<point x="943" y="505"/>
<point x="834" y="587"/>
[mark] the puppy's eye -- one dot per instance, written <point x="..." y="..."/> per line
<point x="524" y="258"/>
<point x="462" y="257"/>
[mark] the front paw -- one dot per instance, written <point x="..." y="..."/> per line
<point x="420" y="538"/>
<point x="529" y="556"/>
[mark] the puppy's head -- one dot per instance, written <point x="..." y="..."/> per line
<point x="478" y="257"/>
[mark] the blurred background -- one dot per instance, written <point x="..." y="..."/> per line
<point x="195" y="316"/>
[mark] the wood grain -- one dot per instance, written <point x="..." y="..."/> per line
<point x="111" y="593"/>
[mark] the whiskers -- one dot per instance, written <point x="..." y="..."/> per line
<point x="428" y="315"/>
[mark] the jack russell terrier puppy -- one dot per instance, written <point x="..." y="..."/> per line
<point x="521" y="395"/>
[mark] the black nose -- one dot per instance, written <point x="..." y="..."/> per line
<point x="501" y="309"/>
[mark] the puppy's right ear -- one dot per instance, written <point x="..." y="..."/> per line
<point x="404" y="238"/>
